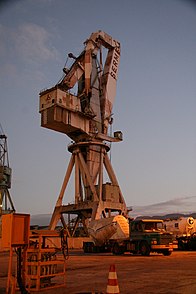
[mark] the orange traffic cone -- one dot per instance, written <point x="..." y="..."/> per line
<point x="112" y="286"/>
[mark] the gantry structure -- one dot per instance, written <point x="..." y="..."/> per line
<point x="85" y="118"/>
<point x="6" y="203"/>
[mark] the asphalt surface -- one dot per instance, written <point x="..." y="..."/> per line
<point x="88" y="273"/>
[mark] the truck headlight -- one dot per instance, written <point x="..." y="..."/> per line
<point x="154" y="242"/>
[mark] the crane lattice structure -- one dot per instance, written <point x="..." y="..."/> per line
<point x="86" y="118"/>
<point x="6" y="204"/>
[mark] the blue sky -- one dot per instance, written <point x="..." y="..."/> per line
<point x="154" y="106"/>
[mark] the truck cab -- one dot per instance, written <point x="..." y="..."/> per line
<point x="146" y="236"/>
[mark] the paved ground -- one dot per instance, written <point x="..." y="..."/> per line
<point x="175" y="274"/>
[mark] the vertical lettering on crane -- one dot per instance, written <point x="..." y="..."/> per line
<point x="115" y="62"/>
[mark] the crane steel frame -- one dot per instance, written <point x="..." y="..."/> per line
<point x="6" y="203"/>
<point x="85" y="118"/>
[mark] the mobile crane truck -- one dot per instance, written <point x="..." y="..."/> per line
<point x="141" y="236"/>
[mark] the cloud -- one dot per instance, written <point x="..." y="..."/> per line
<point x="185" y="205"/>
<point x="25" y="49"/>
<point x="28" y="42"/>
<point x="3" y="39"/>
<point x="9" y="69"/>
<point x="33" y="43"/>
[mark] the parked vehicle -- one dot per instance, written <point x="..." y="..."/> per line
<point x="184" y="231"/>
<point x="144" y="236"/>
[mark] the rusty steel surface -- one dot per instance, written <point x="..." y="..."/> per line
<point x="86" y="118"/>
<point x="86" y="273"/>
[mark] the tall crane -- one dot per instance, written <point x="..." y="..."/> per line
<point x="6" y="204"/>
<point x="85" y="118"/>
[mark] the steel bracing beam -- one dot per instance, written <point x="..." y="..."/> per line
<point x="89" y="203"/>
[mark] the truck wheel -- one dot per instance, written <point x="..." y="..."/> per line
<point x="144" y="249"/>
<point x="167" y="253"/>
<point x="117" y="249"/>
<point x="180" y="245"/>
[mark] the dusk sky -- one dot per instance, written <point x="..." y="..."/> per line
<point x="155" y="103"/>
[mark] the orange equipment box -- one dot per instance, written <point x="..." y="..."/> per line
<point x="15" y="230"/>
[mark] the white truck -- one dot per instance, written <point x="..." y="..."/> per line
<point x="184" y="231"/>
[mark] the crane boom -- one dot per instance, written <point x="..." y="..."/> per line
<point x="96" y="83"/>
<point x="82" y="71"/>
